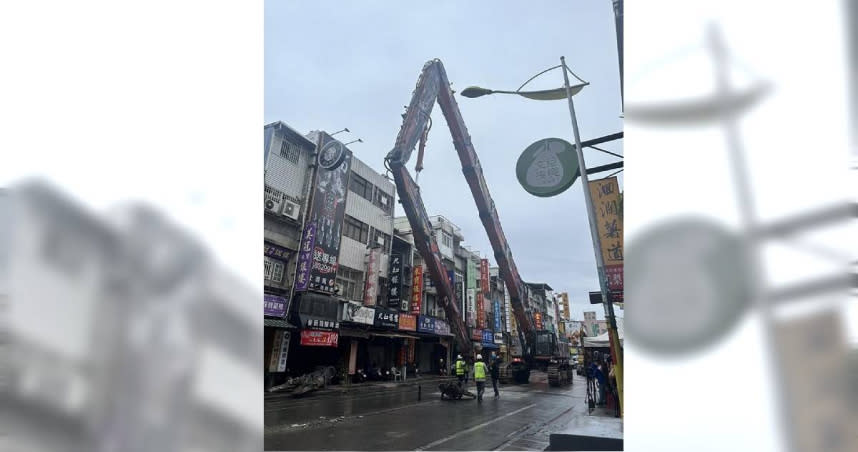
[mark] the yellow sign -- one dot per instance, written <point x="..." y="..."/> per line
<point x="605" y="194"/>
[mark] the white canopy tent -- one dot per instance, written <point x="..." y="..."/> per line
<point x="602" y="340"/>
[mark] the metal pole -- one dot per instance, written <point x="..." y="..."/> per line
<point x="597" y="248"/>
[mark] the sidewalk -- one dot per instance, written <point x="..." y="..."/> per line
<point x="427" y="382"/>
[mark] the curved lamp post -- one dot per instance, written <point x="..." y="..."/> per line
<point x="566" y="92"/>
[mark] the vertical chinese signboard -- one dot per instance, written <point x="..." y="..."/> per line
<point x="472" y="310"/>
<point x="484" y="290"/>
<point x="497" y="312"/>
<point x="565" y="297"/>
<point x="394" y="294"/>
<point x="320" y="244"/>
<point x="605" y="194"/>
<point x="279" y="351"/>
<point x="416" y="289"/>
<point x="370" y="292"/>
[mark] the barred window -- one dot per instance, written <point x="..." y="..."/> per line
<point x="355" y="229"/>
<point x="376" y="234"/>
<point x="273" y="270"/>
<point x="360" y="186"/>
<point x="290" y="151"/>
<point x="383" y="201"/>
<point x="350" y="282"/>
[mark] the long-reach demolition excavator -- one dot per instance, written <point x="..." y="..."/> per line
<point x="540" y="348"/>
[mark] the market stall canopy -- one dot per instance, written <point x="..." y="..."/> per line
<point x="602" y="340"/>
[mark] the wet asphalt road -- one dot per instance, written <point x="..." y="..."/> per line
<point x="521" y="419"/>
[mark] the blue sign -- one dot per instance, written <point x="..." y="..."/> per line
<point x="497" y="316"/>
<point x="426" y="324"/>
<point x="488" y="337"/>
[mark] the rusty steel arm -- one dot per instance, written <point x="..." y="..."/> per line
<point x="433" y="84"/>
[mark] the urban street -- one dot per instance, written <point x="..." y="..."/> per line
<point x="393" y="419"/>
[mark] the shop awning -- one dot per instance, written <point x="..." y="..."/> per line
<point x="399" y="335"/>
<point x="277" y="323"/>
<point x="353" y="332"/>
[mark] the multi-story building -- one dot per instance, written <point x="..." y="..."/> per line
<point x="133" y="318"/>
<point x="363" y="242"/>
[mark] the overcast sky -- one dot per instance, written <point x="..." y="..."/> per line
<point x="356" y="65"/>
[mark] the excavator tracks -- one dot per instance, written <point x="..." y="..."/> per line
<point x="559" y="375"/>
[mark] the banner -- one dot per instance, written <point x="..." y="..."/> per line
<point x="408" y="322"/>
<point x="314" y="338"/>
<point x="425" y="324"/>
<point x="507" y="311"/>
<point x="370" y="293"/>
<point x="277" y="252"/>
<point x="394" y="289"/>
<point x="497" y="312"/>
<point x="353" y="312"/>
<point x="472" y="308"/>
<point x="442" y="328"/>
<point x="275" y="306"/>
<point x="320" y="245"/>
<point x="472" y="275"/>
<point x="605" y="194"/>
<point x="386" y="319"/>
<point x="484" y="276"/>
<point x="416" y="289"/>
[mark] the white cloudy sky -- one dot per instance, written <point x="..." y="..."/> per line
<point x="356" y="65"/>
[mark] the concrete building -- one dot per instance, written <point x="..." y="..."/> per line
<point x="134" y="318"/>
<point x="364" y="246"/>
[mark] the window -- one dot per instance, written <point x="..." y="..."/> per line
<point x="289" y="151"/>
<point x="383" y="201"/>
<point x="355" y="229"/>
<point x="361" y="186"/>
<point x="273" y="270"/>
<point x="376" y="234"/>
<point x="446" y="239"/>
<point x="350" y="282"/>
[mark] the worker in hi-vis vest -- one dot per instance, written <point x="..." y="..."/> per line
<point x="480" y="371"/>
<point x="460" y="370"/>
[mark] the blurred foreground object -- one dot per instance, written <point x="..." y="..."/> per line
<point x="123" y="335"/>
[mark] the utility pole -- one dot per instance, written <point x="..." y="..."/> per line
<point x="597" y="247"/>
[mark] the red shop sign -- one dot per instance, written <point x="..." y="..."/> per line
<point x="319" y="338"/>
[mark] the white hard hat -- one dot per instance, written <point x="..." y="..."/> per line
<point x="459" y="356"/>
<point x="479" y="356"/>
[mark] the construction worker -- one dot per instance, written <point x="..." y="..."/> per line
<point x="460" y="370"/>
<point x="480" y="371"/>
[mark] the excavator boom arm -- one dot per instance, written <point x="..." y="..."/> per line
<point x="431" y="86"/>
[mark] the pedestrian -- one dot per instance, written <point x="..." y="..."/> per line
<point x="480" y="370"/>
<point x="460" y="370"/>
<point x="495" y="375"/>
<point x="599" y="374"/>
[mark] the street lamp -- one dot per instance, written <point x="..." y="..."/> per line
<point x="344" y="130"/>
<point x="354" y="141"/>
<point x="567" y="92"/>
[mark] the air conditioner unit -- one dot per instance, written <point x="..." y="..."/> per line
<point x="273" y="204"/>
<point x="291" y="210"/>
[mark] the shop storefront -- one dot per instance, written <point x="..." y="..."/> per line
<point x="433" y="345"/>
<point x="317" y="342"/>
<point x="277" y="339"/>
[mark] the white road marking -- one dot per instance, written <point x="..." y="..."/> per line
<point x="474" y="428"/>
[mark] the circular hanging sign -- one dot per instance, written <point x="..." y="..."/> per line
<point x="547" y="167"/>
<point x="689" y="281"/>
<point x="332" y="155"/>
